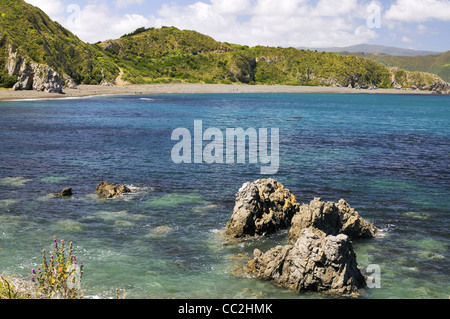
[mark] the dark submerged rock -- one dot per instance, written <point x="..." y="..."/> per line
<point x="66" y="192"/>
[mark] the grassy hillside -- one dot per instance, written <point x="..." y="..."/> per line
<point x="432" y="63"/>
<point x="43" y="41"/>
<point x="171" y="55"/>
<point x="302" y="67"/>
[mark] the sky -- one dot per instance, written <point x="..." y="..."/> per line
<point x="411" y="24"/>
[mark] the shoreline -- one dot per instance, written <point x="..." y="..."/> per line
<point x="84" y="91"/>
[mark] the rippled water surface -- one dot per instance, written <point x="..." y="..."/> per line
<point x="388" y="156"/>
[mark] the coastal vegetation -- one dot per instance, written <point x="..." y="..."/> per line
<point x="59" y="277"/>
<point x="170" y="55"/>
<point x="438" y="64"/>
<point x="44" y="41"/>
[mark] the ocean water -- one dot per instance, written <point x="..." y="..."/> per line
<point x="387" y="155"/>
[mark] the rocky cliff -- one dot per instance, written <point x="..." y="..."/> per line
<point x="31" y="75"/>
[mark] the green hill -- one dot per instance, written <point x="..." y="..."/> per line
<point x="37" y="38"/>
<point x="40" y="54"/>
<point x="171" y="55"/>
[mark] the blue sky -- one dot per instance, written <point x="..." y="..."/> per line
<point x="415" y="24"/>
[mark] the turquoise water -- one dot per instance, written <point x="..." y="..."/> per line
<point x="386" y="155"/>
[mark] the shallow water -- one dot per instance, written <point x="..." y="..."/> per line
<point x="386" y="155"/>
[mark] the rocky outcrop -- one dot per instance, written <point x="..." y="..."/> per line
<point x="114" y="47"/>
<point x="332" y="219"/>
<point x="403" y="80"/>
<point x="262" y="207"/>
<point x="107" y="190"/>
<point x="31" y="75"/>
<point x="69" y="82"/>
<point x="315" y="262"/>
<point x="440" y="87"/>
<point x="321" y="257"/>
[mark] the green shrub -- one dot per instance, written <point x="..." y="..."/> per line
<point x="7" y="81"/>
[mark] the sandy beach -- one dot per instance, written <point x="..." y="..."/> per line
<point x="95" y="90"/>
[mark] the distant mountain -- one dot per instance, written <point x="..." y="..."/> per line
<point x="38" y="53"/>
<point x="373" y="48"/>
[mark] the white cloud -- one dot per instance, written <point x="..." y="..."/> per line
<point x="407" y="40"/>
<point x="297" y="23"/>
<point x="274" y="22"/>
<point x="231" y="7"/>
<point x="51" y="7"/>
<point x="97" y="22"/>
<point x="421" y="29"/>
<point x="419" y="10"/>
<point x="126" y="3"/>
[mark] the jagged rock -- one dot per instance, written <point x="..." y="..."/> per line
<point x="66" y="192"/>
<point x="69" y="82"/>
<point x="31" y="75"/>
<point x="107" y="190"/>
<point x="331" y="218"/>
<point x="440" y="87"/>
<point x="39" y="77"/>
<point x="14" y="61"/>
<point x="262" y="207"/>
<point x="315" y="262"/>
<point x="113" y="46"/>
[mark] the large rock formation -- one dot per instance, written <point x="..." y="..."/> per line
<point x="332" y="219"/>
<point x="31" y="75"/>
<point x="107" y="190"/>
<point x="321" y="256"/>
<point x="262" y="207"/>
<point x="316" y="262"/>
